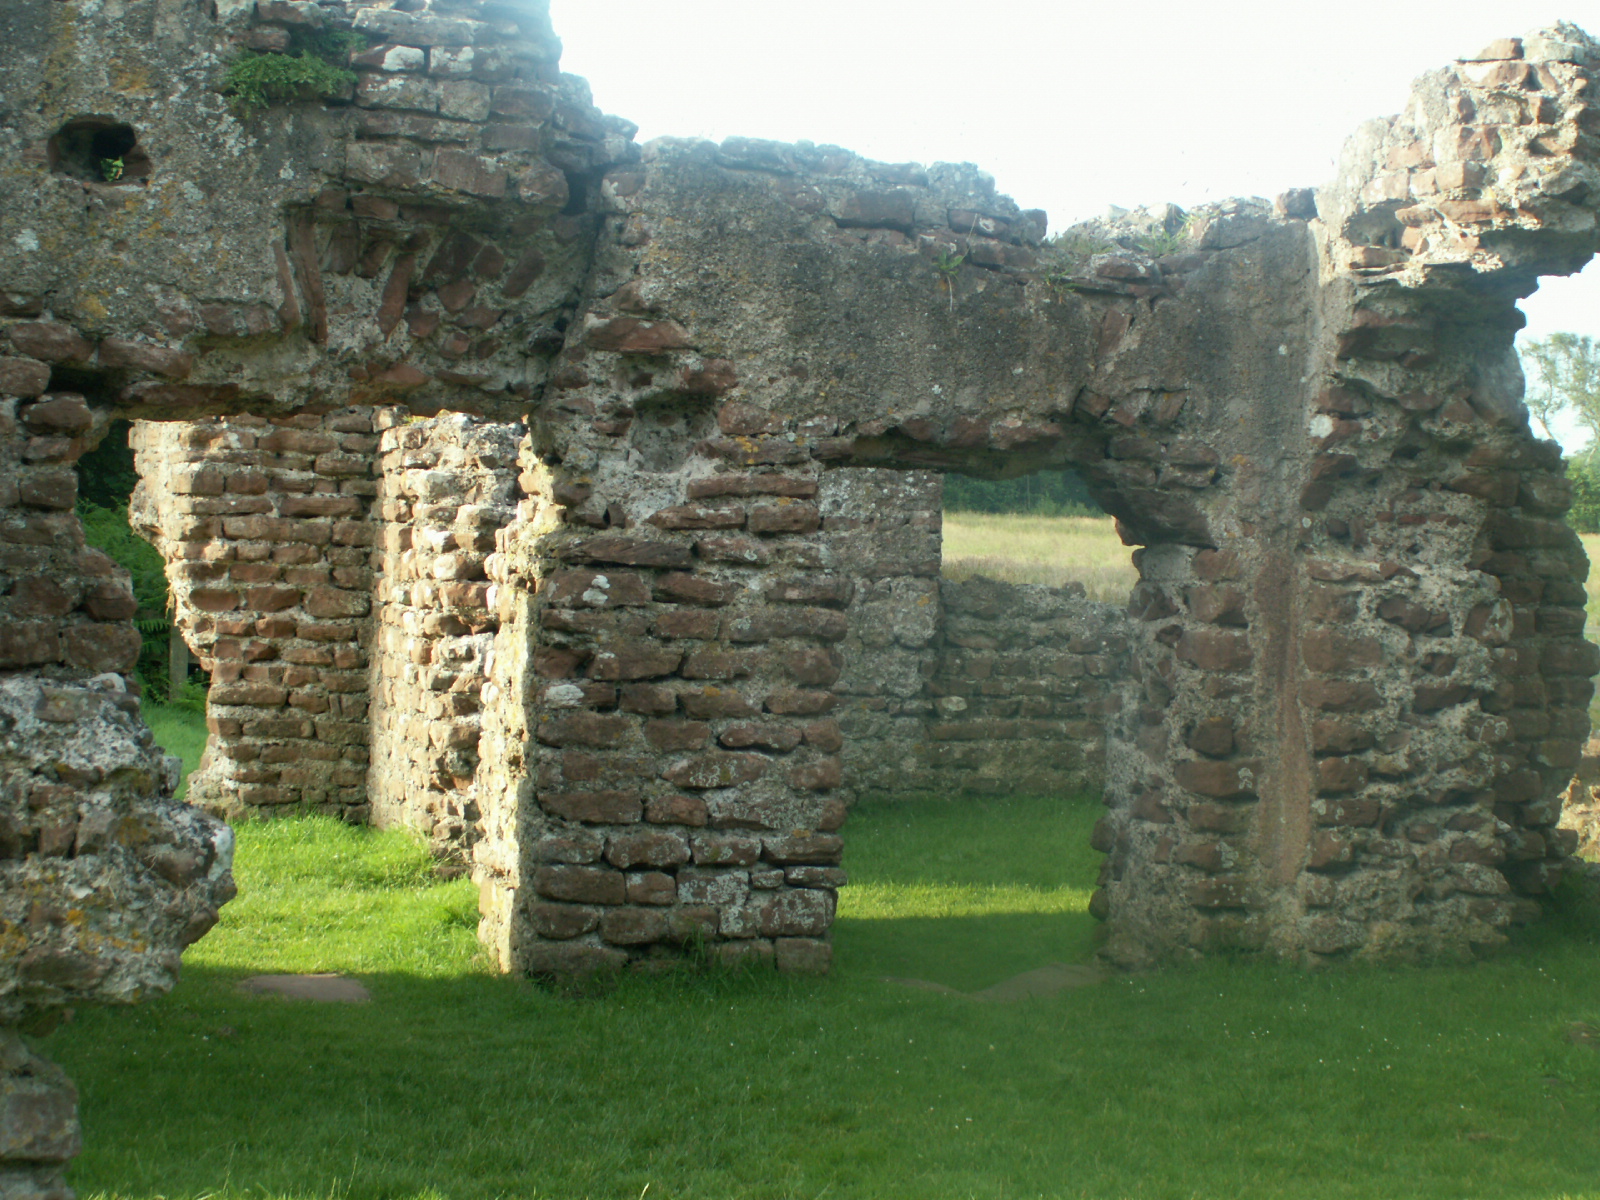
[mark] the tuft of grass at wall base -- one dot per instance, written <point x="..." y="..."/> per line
<point x="1227" y="1078"/>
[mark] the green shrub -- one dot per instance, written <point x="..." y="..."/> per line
<point x="316" y="68"/>
<point x="108" y="530"/>
<point x="1043" y="494"/>
<point x="1584" y="474"/>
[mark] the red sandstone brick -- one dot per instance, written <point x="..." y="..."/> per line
<point x="794" y="913"/>
<point x="632" y="552"/>
<point x="51" y="342"/>
<point x="23" y="377"/>
<point x="739" y="551"/>
<point x="795" y="702"/>
<point x="634" y="662"/>
<point x="760" y="736"/>
<point x="725" y="850"/>
<point x="817" y="776"/>
<point x="562" y="921"/>
<point x="597" y="589"/>
<point x="1329" y="736"/>
<point x="605" y="807"/>
<point x="1340" y="695"/>
<point x="698" y="516"/>
<point x="1215" y="650"/>
<point x="647" y="848"/>
<point x="794" y="517"/>
<point x="1212" y="736"/>
<point x="715" y="769"/>
<point x="694" y="589"/>
<point x="752" y="485"/>
<point x="677" y="735"/>
<point x="634" y="926"/>
<point x="585" y="885"/>
<point x="1329" y="852"/>
<point x="1216" y="779"/>
<point x="1217" y="604"/>
<point x="714" y="664"/>
<point x="709" y="703"/>
<point x="677" y="810"/>
<point x="653" y="887"/>
<point x="630" y="335"/>
<point x="1327" y="651"/>
<point x="584" y="729"/>
<point x="1335" y="775"/>
<point x="687" y="623"/>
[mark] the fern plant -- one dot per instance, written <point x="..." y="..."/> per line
<point x="316" y="68"/>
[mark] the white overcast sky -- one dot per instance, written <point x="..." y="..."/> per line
<point x="1070" y="106"/>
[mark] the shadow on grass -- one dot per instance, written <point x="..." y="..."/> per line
<point x="967" y="953"/>
<point x="1222" y="1079"/>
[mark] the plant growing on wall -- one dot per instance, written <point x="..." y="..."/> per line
<point x="315" y="67"/>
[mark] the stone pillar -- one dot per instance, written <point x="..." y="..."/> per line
<point x="265" y="528"/>
<point x="447" y="485"/>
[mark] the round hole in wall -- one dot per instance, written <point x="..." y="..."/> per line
<point x="98" y="149"/>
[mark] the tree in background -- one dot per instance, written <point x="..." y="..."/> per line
<point x="106" y="479"/>
<point x="1042" y="494"/>
<point x="1563" y="373"/>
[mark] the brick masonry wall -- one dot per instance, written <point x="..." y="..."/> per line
<point x="1357" y="679"/>
<point x="267" y="532"/>
<point x="1025" y="680"/>
<point x="882" y="529"/>
<point x="951" y="688"/>
<point x="447" y="484"/>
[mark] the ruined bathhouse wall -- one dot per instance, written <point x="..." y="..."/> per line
<point x="1358" y="678"/>
<point x="103" y="880"/>
<point x="266" y="528"/>
<point x="235" y="273"/>
<point x="1025" y="680"/>
<point x="682" y="757"/>
<point x="949" y="688"/>
<point x="447" y="484"/>
<point x="882" y="529"/>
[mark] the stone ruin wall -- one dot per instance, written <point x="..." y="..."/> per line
<point x="952" y="688"/>
<point x="267" y="530"/>
<point x="448" y="484"/>
<point x="654" y="651"/>
<point x="276" y="531"/>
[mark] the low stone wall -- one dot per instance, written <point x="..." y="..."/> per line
<point x="63" y="607"/>
<point x="882" y="529"/>
<point x="956" y="687"/>
<point x="266" y="529"/>
<point x="1024" y="680"/>
<point x="446" y="486"/>
<point x="671" y="638"/>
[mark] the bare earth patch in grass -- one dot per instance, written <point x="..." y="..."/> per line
<point x="1054" y="551"/>
<point x="1229" y="1078"/>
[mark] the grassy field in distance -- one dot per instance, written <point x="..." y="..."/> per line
<point x="1050" y="550"/>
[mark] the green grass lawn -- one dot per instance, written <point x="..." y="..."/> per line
<point x="1224" y="1079"/>
<point x="180" y="731"/>
<point x="1031" y="549"/>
